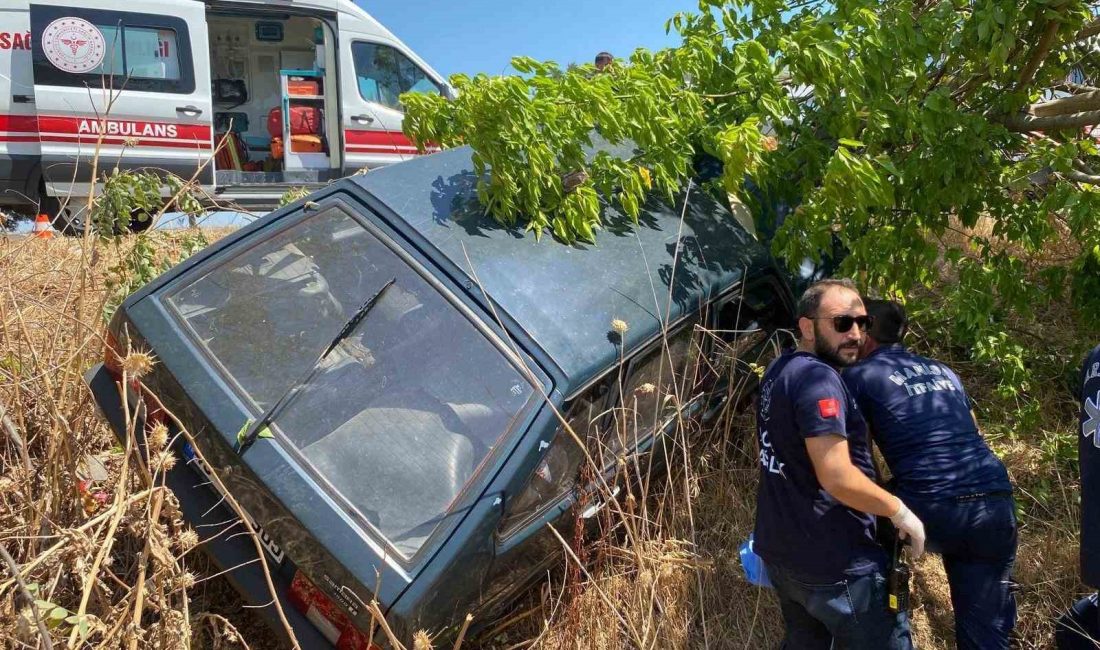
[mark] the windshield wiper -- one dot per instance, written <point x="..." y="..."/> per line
<point x="253" y="430"/>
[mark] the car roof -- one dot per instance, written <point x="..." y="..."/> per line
<point x="566" y="296"/>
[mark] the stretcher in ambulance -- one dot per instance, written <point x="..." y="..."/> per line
<point x="249" y="98"/>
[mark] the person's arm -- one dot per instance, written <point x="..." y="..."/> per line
<point x="844" y="481"/>
<point x="847" y="484"/>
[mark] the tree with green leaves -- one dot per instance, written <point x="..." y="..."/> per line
<point x="930" y="139"/>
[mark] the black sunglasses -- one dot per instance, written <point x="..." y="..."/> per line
<point x="844" y="323"/>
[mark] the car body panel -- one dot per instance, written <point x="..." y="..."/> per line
<point x="235" y="553"/>
<point x="549" y="308"/>
<point x="699" y="256"/>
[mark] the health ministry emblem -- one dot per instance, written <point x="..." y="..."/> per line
<point x="73" y="45"/>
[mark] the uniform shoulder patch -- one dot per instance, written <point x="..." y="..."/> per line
<point x="828" y="408"/>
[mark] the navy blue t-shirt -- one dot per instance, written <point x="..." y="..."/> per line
<point x="799" y="526"/>
<point x="920" y="417"/>
<point x="1088" y="449"/>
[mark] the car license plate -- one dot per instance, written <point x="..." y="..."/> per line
<point x="266" y="541"/>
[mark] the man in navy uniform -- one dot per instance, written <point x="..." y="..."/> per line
<point x="817" y="498"/>
<point x="1080" y="627"/>
<point x="921" y="419"/>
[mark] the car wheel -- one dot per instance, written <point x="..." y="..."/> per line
<point x="68" y="219"/>
<point x="137" y="224"/>
<point x="71" y="220"/>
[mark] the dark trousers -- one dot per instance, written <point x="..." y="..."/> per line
<point x="977" y="539"/>
<point x="845" y="615"/>
<point x="1079" y="628"/>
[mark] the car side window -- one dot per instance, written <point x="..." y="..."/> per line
<point x="657" y="381"/>
<point x="559" y="470"/>
<point x="382" y="74"/>
<point x="747" y="334"/>
<point x="141" y="52"/>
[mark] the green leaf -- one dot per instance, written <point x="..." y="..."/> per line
<point x="855" y="144"/>
<point x="243" y="430"/>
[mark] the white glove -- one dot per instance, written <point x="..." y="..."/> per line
<point x="909" y="527"/>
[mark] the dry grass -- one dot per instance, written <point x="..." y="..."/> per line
<point x="664" y="574"/>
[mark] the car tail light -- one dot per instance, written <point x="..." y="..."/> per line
<point x="326" y="615"/>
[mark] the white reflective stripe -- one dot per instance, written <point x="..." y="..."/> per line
<point x="92" y="137"/>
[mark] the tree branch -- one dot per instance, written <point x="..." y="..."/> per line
<point x="1089" y="101"/>
<point x="43" y="633"/>
<point x="1039" y="54"/>
<point x="1023" y="122"/>
<point x="1082" y="177"/>
<point x="1071" y="87"/>
<point x="1088" y="31"/>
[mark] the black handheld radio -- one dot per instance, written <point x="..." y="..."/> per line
<point x="897" y="583"/>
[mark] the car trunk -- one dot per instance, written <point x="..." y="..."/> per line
<point x="315" y="588"/>
<point x="367" y="455"/>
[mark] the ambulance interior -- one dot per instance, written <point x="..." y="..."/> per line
<point x="260" y="67"/>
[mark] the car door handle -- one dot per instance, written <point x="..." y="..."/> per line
<point x="23" y="99"/>
<point x="366" y="119"/>
<point x="189" y="110"/>
<point x="599" y="505"/>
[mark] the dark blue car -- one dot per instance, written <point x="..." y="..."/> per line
<point x="376" y="375"/>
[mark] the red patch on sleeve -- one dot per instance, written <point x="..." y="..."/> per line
<point x="829" y="408"/>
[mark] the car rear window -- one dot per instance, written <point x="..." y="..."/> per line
<point x="400" y="416"/>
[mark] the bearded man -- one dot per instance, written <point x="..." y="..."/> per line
<point x="817" y="498"/>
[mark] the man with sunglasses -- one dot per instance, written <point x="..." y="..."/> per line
<point x="921" y="419"/>
<point x="817" y="498"/>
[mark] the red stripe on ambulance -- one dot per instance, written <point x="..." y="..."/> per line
<point x="133" y="133"/>
<point x="19" y="123"/>
<point x="374" y="141"/>
<point x="91" y="129"/>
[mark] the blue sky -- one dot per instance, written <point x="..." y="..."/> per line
<point x="483" y="35"/>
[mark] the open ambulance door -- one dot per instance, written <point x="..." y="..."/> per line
<point x="374" y="70"/>
<point x="127" y="88"/>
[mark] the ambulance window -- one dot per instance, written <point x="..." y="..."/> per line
<point x="143" y="52"/>
<point x="139" y="52"/>
<point x="383" y="73"/>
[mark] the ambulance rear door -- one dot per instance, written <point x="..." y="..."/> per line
<point x="375" y="68"/>
<point x="130" y="86"/>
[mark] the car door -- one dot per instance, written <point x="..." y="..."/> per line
<point x="526" y="545"/>
<point x="374" y="73"/>
<point x="130" y="86"/>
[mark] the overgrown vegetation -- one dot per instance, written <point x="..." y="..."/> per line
<point x="909" y="152"/>
<point x="674" y="583"/>
<point x="928" y="138"/>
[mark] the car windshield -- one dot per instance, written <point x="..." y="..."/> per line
<point x="401" y="415"/>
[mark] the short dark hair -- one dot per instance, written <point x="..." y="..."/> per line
<point x="810" y="301"/>
<point x="890" y="321"/>
<point x="604" y="55"/>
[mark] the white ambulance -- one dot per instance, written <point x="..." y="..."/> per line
<point x="255" y="96"/>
